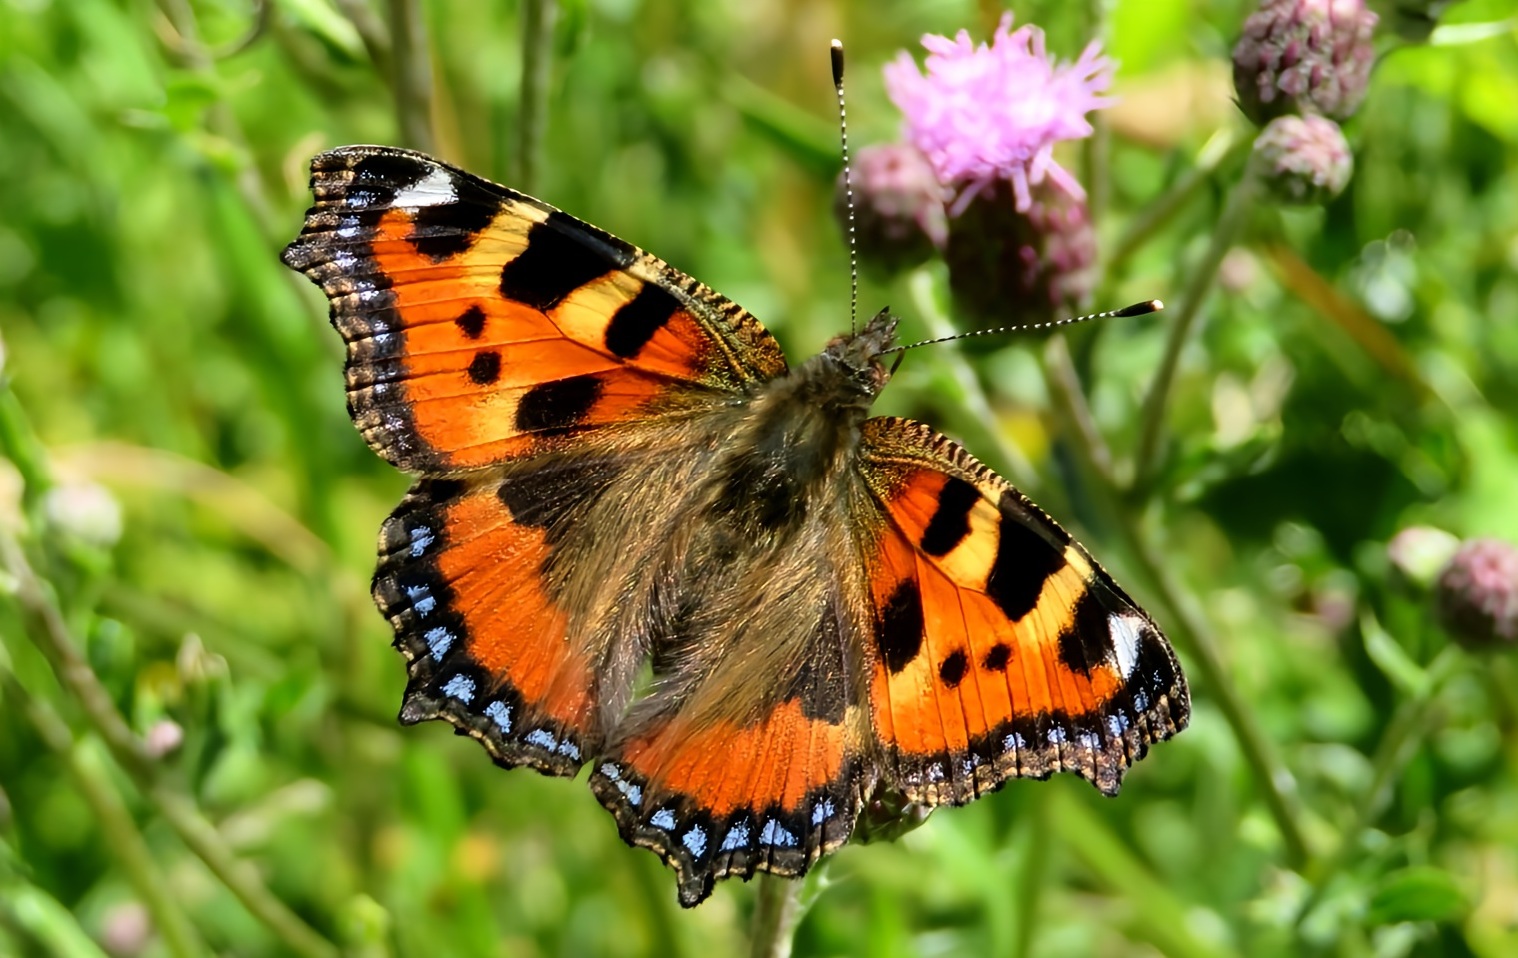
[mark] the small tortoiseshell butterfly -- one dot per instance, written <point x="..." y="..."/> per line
<point x="617" y="468"/>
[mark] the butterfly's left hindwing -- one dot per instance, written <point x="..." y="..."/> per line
<point x="1001" y="648"/>
<point x="460" y="578"/>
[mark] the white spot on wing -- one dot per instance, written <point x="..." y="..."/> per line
<point x="1117" y="724"/>
<point x="421" y="537"/>
<point x="773" y="833"/>
<point x="663" y="818"/>
<point x="822" y="811"/>
<point x="1125" y="630"/>
<point x="500" y="714"/>
<point x="434" y="189"/>
<point x="695" y="840"/>
<point x="460" y="687"/>
<point x="439" y="640"/>
<point x="737" y="837"/>
<point x="542" y="738"/>
<point x="935" y="772"/>
<point x="611" y="771"/>
<point x="1056" y="736"/>
<point x="421" y="599"/>
<point x="566" y="747"/>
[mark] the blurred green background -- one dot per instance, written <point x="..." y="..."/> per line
<point x="187" y="516"/>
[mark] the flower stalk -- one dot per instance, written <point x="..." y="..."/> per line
<point x="1152" y="417"/>
<point x="777" y="912"/>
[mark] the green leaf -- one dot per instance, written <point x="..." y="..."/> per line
<point x="1420" y="893"/>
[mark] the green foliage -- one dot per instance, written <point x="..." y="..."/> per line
<point x="1347" y="786"/>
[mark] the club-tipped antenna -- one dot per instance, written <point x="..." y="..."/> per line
<point x="848" y="187"/>
<point x="1137" y="309"/>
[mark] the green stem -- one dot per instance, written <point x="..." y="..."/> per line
<point x="125" y="842"/>
<point x="1097" y="148"/>
<point x="1032" y="877"/>
<point x="371" y="33"/>
<point x="537" y="53"/>
<point x="1186" y="622"/>
<point x="777" y="911"/>
<point x="20" y="445"/>
<point x="1230" y="223"/>
<point x="1409" y="726"/>
<point x="1227" y="144"/>
<point x="411" y="74"/>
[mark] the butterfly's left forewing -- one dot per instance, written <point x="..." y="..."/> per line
<point x="485" y="326"/>
<point x="1001" y="648"/>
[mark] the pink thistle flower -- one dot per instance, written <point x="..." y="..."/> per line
<point x="995" y="112"/>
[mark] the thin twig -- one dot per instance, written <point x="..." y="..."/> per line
<point x="532" y="116"/>
<point x="777" y="910"/>
<point x="121" y="835"/>
<point x="411" y="74"/>
<point x="1186" y="622"/>
<point x="1230" y="223"/>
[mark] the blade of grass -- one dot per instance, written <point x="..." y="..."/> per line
<point x="1158" y="916"/>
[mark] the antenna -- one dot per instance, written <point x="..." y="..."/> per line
<point x="848" y="187"/>
<point x="1137" y="309"/>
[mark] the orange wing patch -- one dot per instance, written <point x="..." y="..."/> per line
<point x="461" y="577"/>
<point x="725" y="799"/>
<point x="481" y="323"/>
<point x="1002" y="649"/>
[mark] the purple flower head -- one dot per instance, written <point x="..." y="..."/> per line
<point x="995" y="112"/>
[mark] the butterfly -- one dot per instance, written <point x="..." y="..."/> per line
<point x="639" y="540"/>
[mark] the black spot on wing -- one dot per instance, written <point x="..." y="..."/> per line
<point x="898" y="633"/>
<point x="1024" y="560"/>
<point x="1086" y="641"/>
<point x="951" y="520"/>
<point x="485" y="368"/>
<point x="953" y="668"/>
<point x="442" y="230"/>
<point x="562" y="255"/>
<point x="996" y="660"/>
<point x="471" y="322"/>
<point x="633" y="325"/>
<point x="559" y="404"/>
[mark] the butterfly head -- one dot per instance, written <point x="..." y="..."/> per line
<point x="856" y="357"/>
